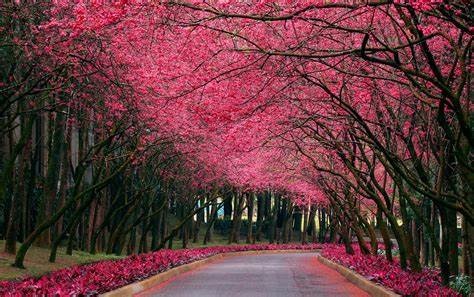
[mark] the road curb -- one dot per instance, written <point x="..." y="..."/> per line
<point x="370" y="287"/>
<point x="137" y="287"/>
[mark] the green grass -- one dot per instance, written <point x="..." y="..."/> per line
<point x="37" y="263"/>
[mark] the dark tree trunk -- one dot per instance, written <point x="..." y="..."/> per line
<point x="250" y="202"/>
<point x="304" y="234"/>
<point x="156" y="226"/>
<point x="413" y="258"/>
<point x="228" y="206"/>
<point x="273" y="226"/>
<point x="18" y="198"/>
<point x="210" y="223"/>
<point x="322" y="224"/>
<point x="260" y="217"/>
<point x="297" y="220"/>
<point x="52" y="176"/>
<point x="311" y="230"/>
<point x="385" y="235"/>
<point x="468" y="250"/>
<point x="237" y="218"/>
<point x="199" y="221"/>
<point x="145" y="227"/>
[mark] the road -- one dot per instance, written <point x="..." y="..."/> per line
<point x="267" y="275"/>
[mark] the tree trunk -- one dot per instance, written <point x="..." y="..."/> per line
<point x="250" y="203"/>
<point x="273" y="226"/>
<point x="156" y="224"/>
<point x="199" y="221"/>
<point x="17" y="198"/>
<point x="52" y="176"/>
<point x="468" y="250"/>
<point x="413" y="258"/>
<point x="312" y="224"/>
<point x="20" y="256"/>
<point x="228" y="206"/>
<point x="237" y="218"/>
<point x="304" y="234"/>
<point x="260" y="217"/>
<point x="385" y="235"/>
<point x="210" y="223"/>
<point x="322" y="224"/>
<point x="297" y="220"/>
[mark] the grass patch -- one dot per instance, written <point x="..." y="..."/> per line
<point x="37" y="264"/>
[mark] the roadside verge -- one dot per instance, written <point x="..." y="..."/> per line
<point x="370" y="287"/>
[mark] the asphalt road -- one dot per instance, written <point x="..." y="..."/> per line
<point x="267" y="275"/>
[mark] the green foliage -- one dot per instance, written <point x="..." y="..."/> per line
<point x="462" y="284"/>
<point x="395" y="252"/>
<point x="223" y="226"/>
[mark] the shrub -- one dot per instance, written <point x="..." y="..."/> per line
<point x="461" y="284"/>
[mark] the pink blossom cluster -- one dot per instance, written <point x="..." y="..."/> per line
<point x="390" y="275"/>
<point x="422" y="4"/>
<point x="99" y="277"/>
